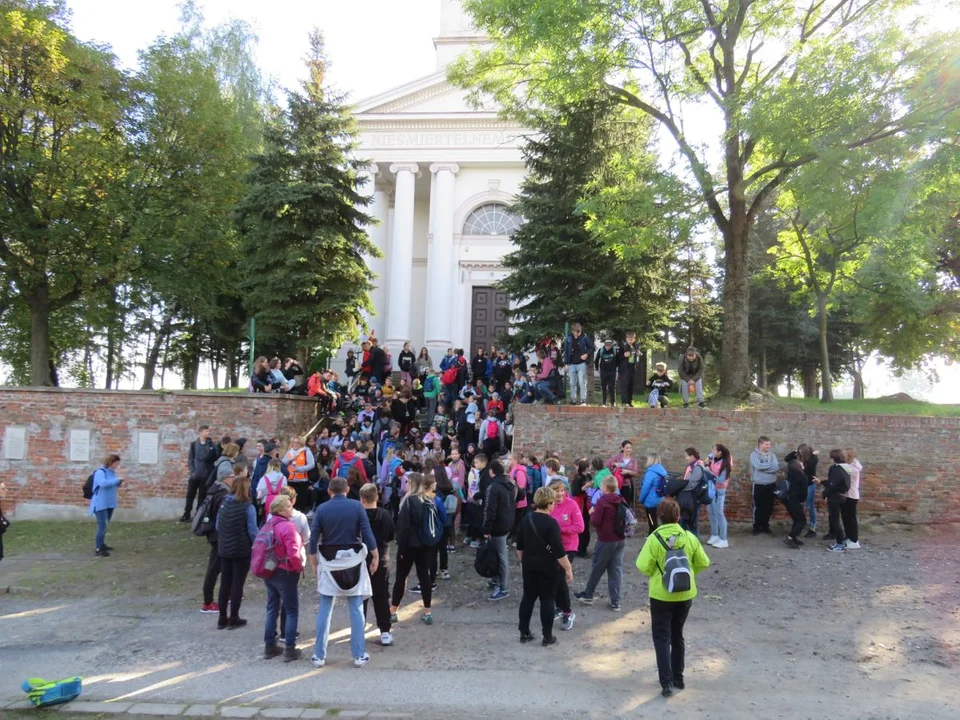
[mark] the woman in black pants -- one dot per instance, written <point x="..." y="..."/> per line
<point x="796" y="497"/>
<point x="410" y="549"/>
<point x="236" y="531"/>
<point x="544" y="562"/>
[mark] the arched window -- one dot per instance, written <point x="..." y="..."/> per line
<point x="491" y="219"/>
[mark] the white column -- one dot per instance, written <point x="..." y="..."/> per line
<point x="377" y="209"/>
<point x="441" y="271"/>
<point x="401" y="256"/>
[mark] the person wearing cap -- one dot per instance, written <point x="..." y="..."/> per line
<point x="606" y="363"/>
<point x="659" y="385"/>
<point x="691" y="373"/>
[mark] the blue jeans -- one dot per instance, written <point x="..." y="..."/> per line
<point x="357" y="642"/>
<point x="103" y="517"/>
<point x="718" y="523"/>
<point x="607" y="556"/>
<point x="282" y="592"/>
<point x="543" y="392"/>
<point x="812" y="505"/>
<point x="578" y="382"/>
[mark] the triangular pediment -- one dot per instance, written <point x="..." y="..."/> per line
<point x="428" y="95"/>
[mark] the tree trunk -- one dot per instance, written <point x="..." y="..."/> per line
<point x="153" y="354"/>
<point x="111" y="339"/>
<point x="790" y="385"/>
<point x="858" y="386"/>
<point x="825" y="378"/>
<point x="215" y="372"/>
<point x="735" y="350"/>
<point x="230" y="380"/>
<point x="41" y="362"/>
<point x="763" y="368"/>
<point x="809" y="376"/>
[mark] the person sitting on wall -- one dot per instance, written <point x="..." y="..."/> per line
<point x="659" y="385"/>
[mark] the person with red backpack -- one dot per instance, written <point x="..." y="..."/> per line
<point x="280" y="537"/>
<point x="271" y="484"/>
<point x="491" y="436"/>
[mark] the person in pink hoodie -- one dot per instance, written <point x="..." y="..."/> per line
<point x="518" y="476"/>
<point x="567" y="513"/>
<point x="282" y="585"/>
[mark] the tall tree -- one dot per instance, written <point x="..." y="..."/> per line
<point x="302" y="220"/>
<point x="787" y="81"/>
<point x="62" y="166"/>
<point x="568" y="264"/>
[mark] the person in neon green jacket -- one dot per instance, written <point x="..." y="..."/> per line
<point x="668" y="611"/>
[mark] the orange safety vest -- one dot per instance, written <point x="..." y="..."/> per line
<point x="298" y="462"/>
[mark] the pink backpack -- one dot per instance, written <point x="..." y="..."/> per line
<point x="264" y="560"/>
<point x="272" y="491"/>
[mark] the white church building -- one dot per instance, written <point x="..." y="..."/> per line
<point x="441" y="176"/>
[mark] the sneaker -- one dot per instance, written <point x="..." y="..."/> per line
<point x="721" y="544"/>
<point x="526" y="637"/>
<point x="546" y="642"/>
<point x="318" y="662"/>
<point x="234" y="624"/>
<point x="426" y="619"/>
<point x="468" y="541"/>
<point x="444" y="574"/>
<point x="416" y="590"/>
<point x="210" y="608"/>
<point x="452" y="549"/>
<point x="499" y="594"/>
<point x="678" y="683"/>
<point x="767" y="531"/>
<point x="107" y="548"/>
<point x="474" y="544"/>
<point x="667" y="690"/>
<point x="557" y="614"/>
<point x="791" y="543"/>
<point x="614" y="606"/>
<point x="359" y="662"/>
<point x="584" y="598"/>
<point x="712" y="540"/>
<point x="838" y="548"/>
<point x="702" y="405"/>
<point x="386" y="639"/>
<point x="102" y="553"/>
<point x="852" y="545"/>
<point x="567" y="623"/>
<point x="811" y="534"/>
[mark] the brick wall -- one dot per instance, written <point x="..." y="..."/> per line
<point x="46" y="483"/>
<point x="911" y="464"/>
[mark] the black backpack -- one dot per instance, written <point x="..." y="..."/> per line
<point x="781" y="489"/>
<point x="88" y="488"/>
<point x="487" y="563"/>
<point x="205" y="521"/>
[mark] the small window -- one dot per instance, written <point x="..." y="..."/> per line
<point x="491" y="219"/>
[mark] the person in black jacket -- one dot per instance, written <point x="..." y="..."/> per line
<point x="406" y="361"/>
<point x="478" y="365"/>
<point x="628" y="356"/>
<point x="382" y="526"/>
<point x="606" y="363"/>
<point x="502" y="369"/>
<point x="203" y="453"/>
<point x="218" y="491"/>
<point x="410" y="548"/>
<point x="809" y="459"/>
<point x="236" y="527"/>
<point x="499" y="511"/>
<point x="797" y="496"/>
<point x="834" y="489"/>
<point x="378" y="361"/>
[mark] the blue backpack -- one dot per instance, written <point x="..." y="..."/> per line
<point x="707" y="492"/>
<point x="431" y="527"/>
<point x="430" y="384"/>
<point x="344" y="468"/>
<point x="534" y="479"/>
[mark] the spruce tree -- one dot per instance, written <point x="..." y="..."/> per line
<point x="562" y="271"/>
<point x="302" y="221"/>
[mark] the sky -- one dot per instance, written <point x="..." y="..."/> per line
<point x="372" y="46"/>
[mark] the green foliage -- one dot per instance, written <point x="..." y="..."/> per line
<point x="569" y="263"/>
<point x="302" y="221"/>
<point x="62" y="105"/>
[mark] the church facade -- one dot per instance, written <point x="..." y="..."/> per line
<point x="442" y="174"/>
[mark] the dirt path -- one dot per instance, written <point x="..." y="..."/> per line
<point x="785" y="634"/>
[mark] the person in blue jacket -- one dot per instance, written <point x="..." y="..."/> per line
<point x="104" y="500"/>
<point x="653" y="478"/>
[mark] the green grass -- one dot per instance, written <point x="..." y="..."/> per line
<point x="857" y="407"/>
<point x="152" y="559"/>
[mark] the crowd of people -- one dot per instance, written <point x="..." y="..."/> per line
<point x="513" y="377"/>
<point x="397" y="479"/>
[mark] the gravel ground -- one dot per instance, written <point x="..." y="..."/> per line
<point x="873" y="633"/>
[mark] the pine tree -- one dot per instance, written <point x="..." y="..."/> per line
<point x="561" y="270"/>
<point x="302" y="222"/>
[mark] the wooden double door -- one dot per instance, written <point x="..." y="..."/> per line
<point x="488" y="319"/>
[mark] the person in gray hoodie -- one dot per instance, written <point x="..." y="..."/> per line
<point x="763" y="470"/>
<point x="224" y="464"/>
